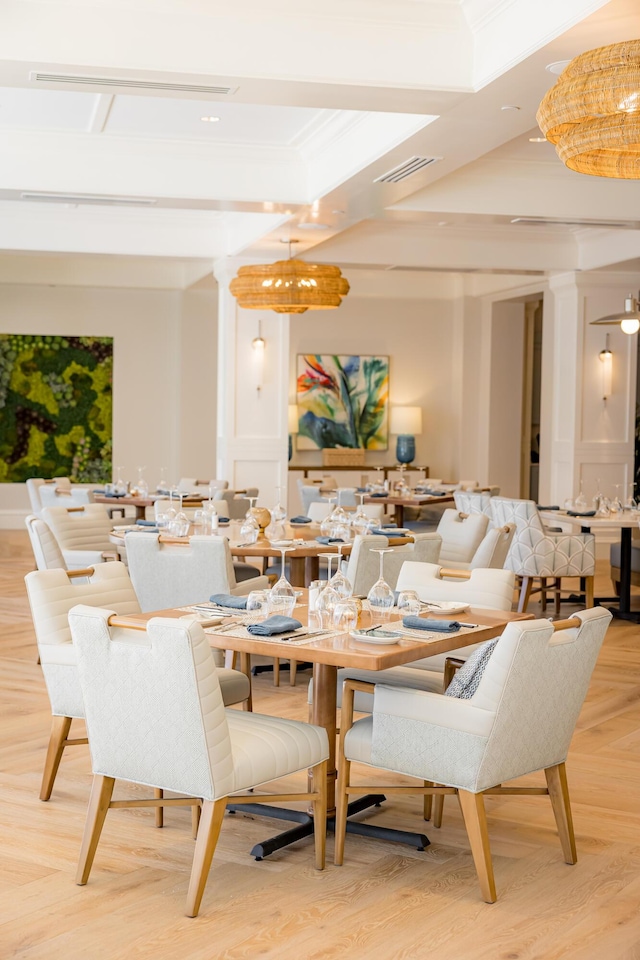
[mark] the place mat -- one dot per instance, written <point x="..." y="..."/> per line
<point x="296" y="638"/>
<point x="408" y="634"/>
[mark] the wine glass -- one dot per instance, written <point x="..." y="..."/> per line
<point x="380" y="596"/>
<point x="580" y="502"/>
<point x="120" y="485"/>
<point x="162" y="482"/>
<point x="278" y="513"/>
<point x="141" y="484"/>
<point x="283" y="588"/>
<point x="250" y="529"/>
<point x="616" y="504"/>
<point x="630" y="502"/>
<point x="328" y="597"/>
<point x="338" y="581"/>
<point x="325" y="526"/>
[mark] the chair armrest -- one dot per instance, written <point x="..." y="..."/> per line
<point x="346" y="708"/>
<point x="432" y="709"/>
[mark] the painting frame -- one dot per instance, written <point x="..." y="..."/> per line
<point x="343" y="401"/>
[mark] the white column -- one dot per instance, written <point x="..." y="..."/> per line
<point x="252" y="439"/>
<point x="583" y="437"/>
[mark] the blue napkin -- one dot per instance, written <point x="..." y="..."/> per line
<point x="115" y="496"/>
<point x="300" y="520"/>
<point x="378" y="532"/>
<point x="223" y="519"/>
<point x="540" y="507"/>
<point x="272" y="626"/>
<point x="327" y="540"/>
<point x="228" y="600"/>
<point x="585" y="513"/>
<point x="146" y="523"/>
<point x="439" y="626"/>
<point x="438" y="493"/>
<point x="378" y="494"/>
<point x="385" y="525"/>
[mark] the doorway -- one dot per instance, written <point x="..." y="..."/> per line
<point x="531" y="381"/>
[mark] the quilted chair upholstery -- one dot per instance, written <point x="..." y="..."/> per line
<point x="537" y="554"/>
<point x="520" y="720"/>
<point x="82" y="533"/>
<point x="46" y="551"/>
<point x="173" y="575"/>
<point x="467" y="501"/>
<point x="492" y="589"/>
<point x="51" y="595"/>
<point x="363" y="568"/>
<point x="155" y="716"/>
<point x="464" y="547"/>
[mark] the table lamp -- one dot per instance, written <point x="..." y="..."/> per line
<point x="293" y="425"/>
<point x="406" y="422"/>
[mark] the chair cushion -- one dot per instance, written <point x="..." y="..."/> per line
<point x="265" y="748"/>
<point x="468" y="677"/>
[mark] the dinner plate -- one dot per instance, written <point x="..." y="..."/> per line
<point x="380" y="636"/>
<point x="446" y="606"/>
<point x="281" y="543"/>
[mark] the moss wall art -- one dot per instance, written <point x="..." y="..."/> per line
<point x="55" y="407"/>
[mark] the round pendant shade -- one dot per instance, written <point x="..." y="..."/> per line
<point x="289" y="286"/>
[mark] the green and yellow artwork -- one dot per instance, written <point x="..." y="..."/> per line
<point x="342" y="401"/>
<point x="55" y="407"/>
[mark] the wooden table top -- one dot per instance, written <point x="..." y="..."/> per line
<point x="414" y="500"/>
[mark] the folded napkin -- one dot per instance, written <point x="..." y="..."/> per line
<point x="300" y="520"/>
<point x="146" y="523"/>
<point x="437" y="626"/>
<point x="228" y="600"/>
<point x="554" y="507"/>
<point x="146" y="529"/>
<point x="327" y="540"/>
<point x="438" y="493"/>
<point x="378" y="494"/>
<point x="378" y="532"/>
<point x="585" y="513"/>
<point x="223" y="519"/>
<point x="115" y="496"/>
<point x="385" y="525"/>
<point x="361" y="489"/>
<point x="272" y="626"/>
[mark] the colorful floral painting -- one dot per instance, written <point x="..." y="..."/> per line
<point x="342" y="401"/>
<point x="55" y="407"/>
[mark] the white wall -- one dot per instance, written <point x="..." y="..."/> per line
<point x="164" y="393"/>
<point x="506" y="384"/>
<point x="416" y="335"/>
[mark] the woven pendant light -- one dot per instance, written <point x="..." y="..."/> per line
<point x="289" y="286"/>
<point x="592" y="113"/>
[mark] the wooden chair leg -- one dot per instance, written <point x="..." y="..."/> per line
<point x="588" y="582"/>
<point x="319" y="779"/>
<point x="101" y="793"/>
<point x="559" y="796"/>
<point x="158" y="793"/>
<point x="276" y="672"/>
<point x="475" y="821"/>
<point x="208" y="832"/>
<point x="557" y="587"/>
<point x="543" y="593"/>
<point x="525" y="593"/>
<point x="342" y="800"/>
<point x="293" y="668"/>
<point x="438" y="808"/>
<point x="427" y="802"/>
<point x="195" y="820"/>
<point x="60" y="727"/>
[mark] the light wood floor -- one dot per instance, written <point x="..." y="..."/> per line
<point x="387" y="901"/>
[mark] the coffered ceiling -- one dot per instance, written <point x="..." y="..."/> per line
<point x="188" y="130"/>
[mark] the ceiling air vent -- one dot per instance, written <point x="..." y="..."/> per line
<point x="406" y="169"/>
<point x="130" y="84"/>
<point x="583" y="222"/>
<point x="95" y="198"/>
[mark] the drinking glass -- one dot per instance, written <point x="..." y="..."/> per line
<point x="162" y="482"/>
<point x="616" y="503"/>
<point x="283" y="588"/>
<point x="360" y="522"/>
<point x="120" y="485"/>
<point x="280" y="605"/>
<point x="408" y="603"/>
<point x="258" y="605"/>
<point x="279" y="513"/>
<point x="345" y="615"/>
<point x="339" y="582"/>
<point x="142" y="486"/>
<point x="580" y="502"/>
<point x="202" y="522"/>
<point x="250" y="529"/>
<point x="315" y="588"/>
<point x="380" y="596"/>
<point x="328" y="597"/>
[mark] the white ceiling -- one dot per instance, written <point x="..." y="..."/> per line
<point x="323" y="99"/>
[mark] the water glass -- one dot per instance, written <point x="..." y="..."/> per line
<point x="314" y="592"/>
<point x="202" y="522"/>
<point x="258" y="604"/>
<point x="281" y="606"/>
<point x="408" y="603"/>
<point x="345" y="615"/>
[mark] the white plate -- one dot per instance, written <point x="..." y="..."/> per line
<point x="445" y="607"/>
<point x="380" y="636"/>
<point x="281" y="543"/>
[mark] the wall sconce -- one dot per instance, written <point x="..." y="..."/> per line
<point x="293" y="425"/>
<point x="406" y="422"/>
<point x="259" y="343"/>
<point x="606" y="359"/>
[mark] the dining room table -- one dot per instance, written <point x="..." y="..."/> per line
<point x="329" y="650"/>
<point x="413" y="499"/>
<point x="625" y="522"/>
<point x="141" y="503"/>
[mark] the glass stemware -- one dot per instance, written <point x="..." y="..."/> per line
<point x="142" y="487"/>
<point x="580" y="502"/>
<point x="162" y="482"/>
<point x="616" y="504"/>
<point x="283" y="588"/>
<point x="338" y="581"/>
<point x="328" y="597"/>
<point x="120" y="485"/>
<point x="326" y="524"/>
<point x="380" y="596"/>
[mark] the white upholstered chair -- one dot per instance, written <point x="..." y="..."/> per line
<point x="468" y="501"/>
<point x="536" y="554"/>
<point x="82" y="533"/>
<point x="155" y="716"/>
<point x="176" y="574"/>
<point x="363" y="567"/>
<point x="51" y="595"/>
<point x="193" y="485"/>
<point x="46" y="550"/>
<point x="35" y="484"/>
<point x="62" y="496"/>
<point x="519" y="720"/>
<point x="469" y="541"/>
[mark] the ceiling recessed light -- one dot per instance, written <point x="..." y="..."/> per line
<point x="557" y="67"/>
<point x="537" y="139"/>
<point x="509" y="106"/>
<point x="209" y="119"/>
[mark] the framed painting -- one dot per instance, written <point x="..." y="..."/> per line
<point x="342" y="401"/>
<point x="55" y="407"/>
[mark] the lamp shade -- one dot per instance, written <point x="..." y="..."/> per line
<point x="293" y="418"/>
<point x="289" y="286"/>
<point x="406" y="420"/>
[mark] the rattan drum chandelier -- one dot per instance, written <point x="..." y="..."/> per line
<point x="289" y="286"/>
<point x="592" y="114"/>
